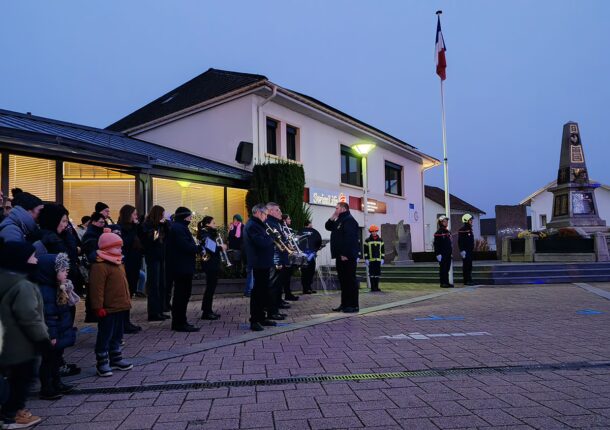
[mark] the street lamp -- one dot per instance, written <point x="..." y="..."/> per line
<point x="363" y="149"/>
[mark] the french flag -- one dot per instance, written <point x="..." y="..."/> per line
<point x="441" y="62"/>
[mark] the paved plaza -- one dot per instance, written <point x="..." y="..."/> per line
<point x="419" y="358"/>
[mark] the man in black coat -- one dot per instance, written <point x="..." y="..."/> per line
<point x="345" y="249"/>
<point x="466" y="245"/>
<point x="181" y="252"/>
<point x="259" y="248"/>
<point x="443" y="250"/>
<point x="310" y="243"/>
<point x="280" y="271"/>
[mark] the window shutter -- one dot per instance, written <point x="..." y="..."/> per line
<point x="33" y="175"/>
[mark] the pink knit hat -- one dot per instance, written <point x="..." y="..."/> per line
<point x="109" y="247"/>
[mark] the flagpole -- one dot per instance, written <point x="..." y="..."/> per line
<point x="445" y="164"/>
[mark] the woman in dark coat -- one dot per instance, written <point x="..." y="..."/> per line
<point x="207" y="234"/>
<point x="132" y="252"/>
<point x="153" y="236"/>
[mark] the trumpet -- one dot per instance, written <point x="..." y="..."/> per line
<point x="277" y="239"/>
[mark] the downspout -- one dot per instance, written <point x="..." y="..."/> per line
<point x="258" y="120"/>
<point x="423" y="207"/>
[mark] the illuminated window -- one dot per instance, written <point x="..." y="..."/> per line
<point x="202" y="199"/>
<point x="33" y="175"/>
<point x="236" y="203"/>
<point x="85" y="185"/>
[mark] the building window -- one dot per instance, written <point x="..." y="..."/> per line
<point x="292" y="137"/>
<point x="202" y="199"/>
<point x="236" y="203"/>
<point x="85" y="184"/>
<point x="272" y="129"/>
<point x="351" y="167"/>
<point x="543" y="220"/>
<point x="393" y="179"/>
<point x="34" y="175"/>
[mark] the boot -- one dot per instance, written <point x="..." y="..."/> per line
<point x="48" y="391"/>
<point x="103" y="365"/>
<point x="117" y="362"/>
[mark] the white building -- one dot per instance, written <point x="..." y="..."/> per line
<point x="435" y="207"/>
<point x="210" y="115"/>
<point x="540" y="204"/>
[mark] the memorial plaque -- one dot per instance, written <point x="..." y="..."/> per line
<point x="576" y="155"/>
<point x="561" y="206"/>
<point x="582" y="204"/>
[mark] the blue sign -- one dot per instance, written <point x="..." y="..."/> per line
<point x="439" y="318"/>
<point x="589" y="312"/>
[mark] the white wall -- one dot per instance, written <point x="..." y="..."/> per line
<point x="542" y="204"/>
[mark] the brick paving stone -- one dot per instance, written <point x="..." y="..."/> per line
<point x="301" y="403"/>
<point x="115" y="414"/>
<point x="372" y="405"/>
<point x="292" y="425"/>
<point x="138" y="421"/>
<point x="337" y="410"/>
<point x="226" y="424"/>
<point x="417" y="424"/>
<point x="256" y="420"/>
<point x="171" y="426"/>
<point x="375" y="418"/>
<point x="530" y="411"/>
<point x="334" y="423"/>
<point x="497" y="417"/>
<point x="458" y="422"/>
<point x="110" y="425"/>
<point x="299" y="414"/>
<point x="424" y="412"/>
<point x="196" y="406"/>
<point x="224" y="412"/>
<point x="546" y="423"/>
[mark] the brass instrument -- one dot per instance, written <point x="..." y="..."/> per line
<point x="205" y="255"/>
<point x="277" y="239"/>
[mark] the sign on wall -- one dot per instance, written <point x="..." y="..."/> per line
<point x="319" y="196"/>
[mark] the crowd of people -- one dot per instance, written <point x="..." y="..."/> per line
<point x="48" y="265"/>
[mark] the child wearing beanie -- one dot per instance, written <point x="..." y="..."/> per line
<point x="110" y="300"/>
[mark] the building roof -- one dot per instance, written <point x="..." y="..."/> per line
<point x="211" y="86"/>
<point x="528" y="200"/>
<point x="111" y="145"/>
<point x="437" y="195"/>
<point x="208" y="85"/>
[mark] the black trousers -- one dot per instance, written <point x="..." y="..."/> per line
<point x="346" y="271"/>
<point x="276" y="286"/>
<point x="467" y="267"/>
<point x="169" y="288"/>
<point x="259" y="295"/>
<point x="307" y="274"/>
<point x="183" y="286"/>
<point x="444" y="266"/>
<point x="19" y="378"/>
<point x="374" y="274"/>
<point x="287" y="276"/>
<point x="155" y="285"/>
<point x="49" y="369"/>
<point x="211" y="280"/>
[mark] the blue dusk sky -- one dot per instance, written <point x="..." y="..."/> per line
<point x="517" y="71"/>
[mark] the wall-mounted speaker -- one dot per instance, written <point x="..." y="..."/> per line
<point x="244" y="153"/>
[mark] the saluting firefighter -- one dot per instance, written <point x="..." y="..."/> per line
<point x="443" y="250"/>
<point x="466" y="245"/>
<point x="374" y="254"/>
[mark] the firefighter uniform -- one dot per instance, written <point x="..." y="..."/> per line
<point x="466" y="245"/>
<point x="443" y="250"/>
<point x="374" y="254"/>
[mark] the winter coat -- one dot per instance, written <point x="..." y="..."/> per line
<point x="181" y="249"/>
<point x="89" y="242"/>
<point x="21" y="311"/>
<point x="213" y="263"/>
<point x="466" y="238"/>
<point x="344" y="236"/>
<point x="154" y="248"/>
<point x="258" y="245"/>
<point x="58" y="318"/>
<point x="132" y="247"/>
<point x="374" y="249"/>
<point x="108" y="287"/>
<point x="442" y="242"/>
<point x="18" y="226"/>
<point x="280" y="258"/>
<point x="235" y="242"/>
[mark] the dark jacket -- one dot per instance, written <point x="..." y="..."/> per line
<point x="89" y="242"/>
<point x="21" y="310"/>
<point x="280" y="258"/>
<point x="108" y="287"/>
<point x="344" y="236"/>
<point x="235" y="242"/>
<point x="258" y="245"/>
<point x="52" y="243"/>
<point x="374" y="249"/>
<point x="181" y="249"/>
<point x="132" y="247"/>
<point x="466" y="238"/>
<point x="154" y="240"/>
<point x="213" y="263"/>
<point x="18" y="226"/>
<point x="312" y="242"/>
<point x="58" y="318"/>
<point x="442" y="242"/>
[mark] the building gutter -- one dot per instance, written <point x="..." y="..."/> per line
<point x="258" y="120"/>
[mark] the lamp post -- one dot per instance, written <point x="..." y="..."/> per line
<point x="363" y="149"/>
